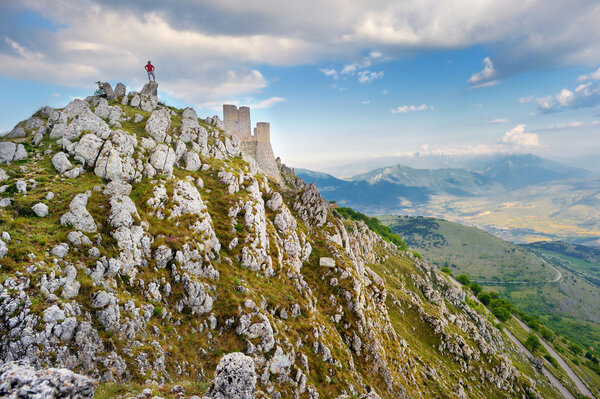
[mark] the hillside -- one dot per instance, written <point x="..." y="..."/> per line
<point x="141" y="247"/>
<point x="569" y="304"/>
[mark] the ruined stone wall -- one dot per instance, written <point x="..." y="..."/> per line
<point x="258" y="146"/>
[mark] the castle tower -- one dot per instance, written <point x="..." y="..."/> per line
<point x="257" y="145"/>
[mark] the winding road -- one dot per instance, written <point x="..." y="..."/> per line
<point x="574" y="377"/>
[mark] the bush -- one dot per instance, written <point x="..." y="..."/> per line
<point x="551" y="360"/>
<point x="476" y="288"/>
<point x="546" y="334"/>
<point x="576" y="349"/>
<point x="463" y="279"/>
<point x="501" y="313"/>
<point x="485" y="298"/>
<point x="533" y="343"/>
<point x="446" y="270"/>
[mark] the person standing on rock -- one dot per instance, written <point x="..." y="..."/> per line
<point x="150" y="69"/>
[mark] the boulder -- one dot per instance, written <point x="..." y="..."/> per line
<point x="120" y="90"/>
<point x="17" y="132"/>
<point x="110" y="94"/>
<point x="88" y="149"/>
<point x="20" y="380"/>
<point x="158" y="124"/>
<point x="150" y="88"/>
<point x="3" y="175"/>
<point x="3" y="249"/>
<point x="235" y="377"/>
<point x="192" y="161"/>
<point x="60" y="250"/>
<point x="162" y="159"/>
<point x="61" y="162"/>
<point x="41" y="210"/>
<point x="78" y="216"/>
<point x="10" y="151"/>
<point x="327" y="262"/>
<point x="189" y="113"/>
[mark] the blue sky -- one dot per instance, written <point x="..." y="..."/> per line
<point x="338" y="82"/>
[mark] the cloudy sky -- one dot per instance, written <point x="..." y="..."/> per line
<point x="339" y="81"/>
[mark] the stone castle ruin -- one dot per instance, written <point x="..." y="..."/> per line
<point x="257" y="145"/>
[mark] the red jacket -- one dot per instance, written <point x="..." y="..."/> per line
<point x="149" y="67"/>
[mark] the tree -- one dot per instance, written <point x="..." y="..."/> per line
<point x="533" y="343"/>
<point x="476" y="288"/>
<point x="485" y="298"/>
<point x="546" y="334"/>
<point x="501" y="313"/>
<point x="463" y="279"/>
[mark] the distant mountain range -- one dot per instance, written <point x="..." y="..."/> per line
<point x="523" y="198"/>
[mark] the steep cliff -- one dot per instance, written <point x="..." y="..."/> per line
<point x="140" y="245"/>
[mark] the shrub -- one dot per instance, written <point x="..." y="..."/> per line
<point x="546" y="334"/>
<point x="446" y="270"/>
<point x="485" y="298"/>
<point x="501" y="313"/>
<point x="551" y="360"/>
<point x="476" y="288"/>
<point x="533" y="343"/>
<point x="463" y="279"/>
<point x="576" y="349"/>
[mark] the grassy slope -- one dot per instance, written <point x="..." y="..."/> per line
<point x="571" y="306"/>
<point x="469" y="250"/>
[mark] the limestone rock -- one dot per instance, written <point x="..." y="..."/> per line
<point x="162" y="159"/>
<point x="235" y="377"/>
<point x="192" y="161"/>
<point x="88" y="149"/>
<point x="110" y="94"/>
<point x="78" y="216"/>
<point x="3" y="249"/>
<point x="327" y="262"/>
<point x="19" y="380"/>
<point x="61" y="162"/>
<point x="41" y="210"/>
<point x="3" y="175"/>
<point x="120" y="90"/>
<point x="158" y="124"/>
<point x="17" y="132"/>
<point x="60" y="250"/>
<point x="189" y="113"/>
<point x="10" y="151"/>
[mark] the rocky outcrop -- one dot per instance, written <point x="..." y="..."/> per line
<point x="235" y="377"/>
<point x="19" y="380"/>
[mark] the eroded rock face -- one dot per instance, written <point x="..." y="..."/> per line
<point x="19" y="380"/>
<point x="78" y="216"/>
<point x="235" y="377"/>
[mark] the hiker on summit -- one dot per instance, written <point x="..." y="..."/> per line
<point x="150" y="69"/>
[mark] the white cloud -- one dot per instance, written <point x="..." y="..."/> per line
<point x="518" y="137"/>
<point x="111" y="39"/>
<point x="330" y="72"/>
<point x="269" y="102"/>
<point x="411" y="108"/>
<point x="584" y="95"/>
<point x="592" y="76"/>
<point x="22" y="51"/>
<point x="485" y="77"/>
<point x="367" y="76"/>
<point x="525" y="100"/>
<point x="571" y="125"/>
<point x="499" y="121"/>
<point x="365" y="102"/>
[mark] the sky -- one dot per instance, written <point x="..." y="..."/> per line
<point x="339" y="81"/>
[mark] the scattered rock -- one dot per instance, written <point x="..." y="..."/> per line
<point x="41" y="210"/>
<point x="327" y="262"/>
<point x="61" y="162"/>
<point x="79" y="217"/>
<point x="60" y="250"/>
<point x="158" y="124"/>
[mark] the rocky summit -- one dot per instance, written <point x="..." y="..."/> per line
<point x="145" y="252"/>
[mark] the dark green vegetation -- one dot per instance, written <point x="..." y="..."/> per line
<point x="570" y="305"/>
